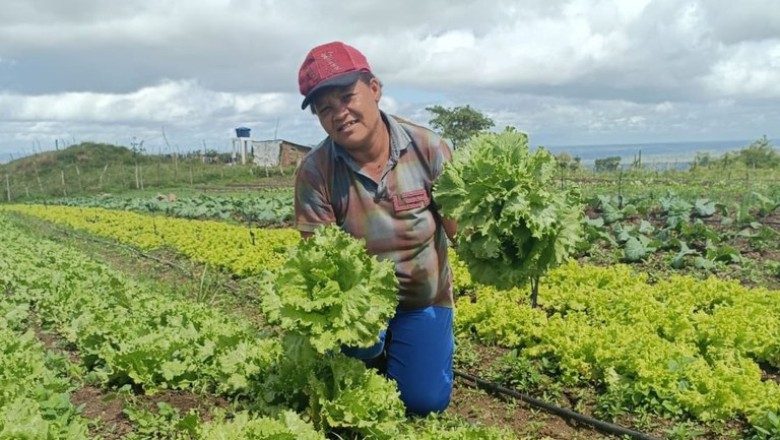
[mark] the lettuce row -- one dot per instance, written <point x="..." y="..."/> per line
<point x="34" y="389"/>
<point x="679" y="347"/>
<point x="236" y="249"/>
<point x="131" y="333"/>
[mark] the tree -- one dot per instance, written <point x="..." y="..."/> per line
<point x="607" y="164"/>
<point x="564" y="160"/>
<point x="760" y="154"/>
<point x="702" y="159"/>
<point x="576" y="164"/>
<point x="458" y="123"/>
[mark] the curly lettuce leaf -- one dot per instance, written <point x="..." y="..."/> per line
<point x="331" y="291"/>
<point x="287" y="426"/>
<point x="516" y="221"/>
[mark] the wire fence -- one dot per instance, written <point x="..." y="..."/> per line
<point x="9" y="156"/>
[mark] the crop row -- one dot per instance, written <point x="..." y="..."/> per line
<point x="680" y="347"/>
<point x="689" y="231"/>
<point x="214" y="243"/>
<point x="130" y="333"/>
<point x="126" y="333"/>
<point x="237" y="249"/>
<point x="34" y="385"/>
<point x="267" y="208"/>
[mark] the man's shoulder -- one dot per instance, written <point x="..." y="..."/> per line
<point x="320" y="155"/>
<point x="413" y="127"/>
<point x="317" y="164"/>
<point x="422" y="137"/>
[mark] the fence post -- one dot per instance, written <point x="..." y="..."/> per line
<point x="64" y="189"/>
<point x="38" y="178"/>
<point x="7" y="188"/>
<point x="78" y="174"/>
<point x="100" y="180"/>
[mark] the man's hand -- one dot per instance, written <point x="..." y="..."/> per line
<point x="450" y="227"/>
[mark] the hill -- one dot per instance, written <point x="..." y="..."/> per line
<point x="86" y="156"/>
<point x="89" y="168"/>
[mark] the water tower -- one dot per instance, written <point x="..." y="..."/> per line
<point x="242" y="142"/>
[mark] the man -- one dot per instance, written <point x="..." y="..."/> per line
<point x="373" y="175"/>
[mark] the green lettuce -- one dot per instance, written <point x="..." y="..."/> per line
<point x="516" y="222"/>
<point x="287" y="426"/>
<point x="331" y="291"/>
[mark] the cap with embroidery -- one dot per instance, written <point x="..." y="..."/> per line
<point x="331" y="64"/>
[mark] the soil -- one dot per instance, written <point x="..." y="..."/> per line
<point x="769" y="373"/>
<point x="522" y="419"/>
<point x="105" y="410"/>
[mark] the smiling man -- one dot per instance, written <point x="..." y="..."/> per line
<point x="373" y="175"/>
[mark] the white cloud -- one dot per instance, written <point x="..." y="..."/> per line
<point x="189" y="112"/>
<point x="571" y="71"/>
<point x="168" y="101"/>
<point x="734" y="22"/>
<point x="750" y="71"/>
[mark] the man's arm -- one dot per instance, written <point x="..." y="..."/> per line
<point x="312" y="208"/>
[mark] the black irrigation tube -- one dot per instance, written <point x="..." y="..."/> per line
<point x="171" y="264"/>
<point x="715" y="222"/>
<point x="665" y="180"/>
<point x="605" y="427"/>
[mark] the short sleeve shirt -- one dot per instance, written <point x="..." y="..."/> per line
<point x="395" y="216"/>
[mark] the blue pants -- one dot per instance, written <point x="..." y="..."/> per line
<point x="419" y="357"/>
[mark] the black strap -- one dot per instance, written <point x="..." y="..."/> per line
<point x="339" y="190"/>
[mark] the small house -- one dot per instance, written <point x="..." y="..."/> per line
<point x="278" y="152"/>
<point x="270" y="153"/>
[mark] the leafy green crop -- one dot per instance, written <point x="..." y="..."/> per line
<point x="34" y="401"/>
<point x="516" y="222"/>
<point x="267" y="208"/>
<point x="288" y="426"/>
<point x="133" y="333"/>
<point x="679" y="347"/>
<point x="332" y="291"/>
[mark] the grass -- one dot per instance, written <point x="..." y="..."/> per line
<point x="99" y="168"/>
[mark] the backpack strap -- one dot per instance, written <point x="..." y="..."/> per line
<point x="338" y="189"/>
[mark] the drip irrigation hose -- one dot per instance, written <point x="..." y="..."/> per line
<point x="605" y="427"/>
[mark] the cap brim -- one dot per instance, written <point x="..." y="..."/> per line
<point x="337" y="81"/>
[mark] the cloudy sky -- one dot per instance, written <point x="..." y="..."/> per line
<point x="567" y="72"/>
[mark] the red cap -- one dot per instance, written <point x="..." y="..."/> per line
<point x="331" y="64"/>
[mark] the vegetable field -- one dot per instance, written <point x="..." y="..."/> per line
<point x="189" y="318"/>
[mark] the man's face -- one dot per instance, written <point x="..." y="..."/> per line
<point x="350" y="115"/>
